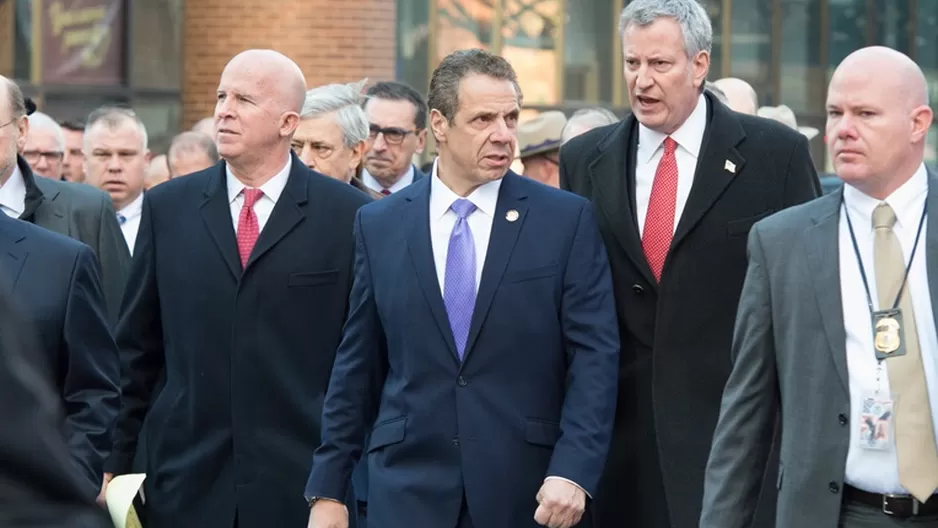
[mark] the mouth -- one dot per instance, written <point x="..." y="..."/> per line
<point x="498" y="160"/>
<point x="114" y="184"/>
<point x="226" y="131"/>
<point x="644" y="100"/>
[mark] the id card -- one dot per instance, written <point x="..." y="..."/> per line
<point x="876" y="423"/>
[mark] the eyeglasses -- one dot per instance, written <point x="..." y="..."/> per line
<point x="33" y="156"/>
<point x="392" y="135"/>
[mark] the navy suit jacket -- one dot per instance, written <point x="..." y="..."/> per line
<point x="246" y="353"/>
<point x="55" y="284"/>
<point x="534" y="395"/>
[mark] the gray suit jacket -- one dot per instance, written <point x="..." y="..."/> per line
<point x="86" y="214"/>
<point x="789" y="352"/>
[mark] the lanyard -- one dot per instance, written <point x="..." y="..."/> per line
<point x="856" y="250"/>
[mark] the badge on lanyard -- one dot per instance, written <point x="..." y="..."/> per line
<point x="888" y="334"/>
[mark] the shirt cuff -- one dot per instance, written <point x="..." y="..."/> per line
<point x="571" y="482"/>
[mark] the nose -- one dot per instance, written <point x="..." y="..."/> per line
<point x="643" y="79"/>
<point x="844" y="128"/>
<point x="379" y="144"/>
<point x="113" y="164"/>
<point x="502" y="133"/>
<point x="306" y="156"/>
<point x="42" y="163"/>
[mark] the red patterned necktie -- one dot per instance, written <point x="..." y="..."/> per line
<point x="248" y="228"/>
<point x="659" y="221"/>
<point x="386" y="192"/>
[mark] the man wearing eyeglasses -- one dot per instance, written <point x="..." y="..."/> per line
<point x="45" y="146"/>
<point x="397" y="119"/>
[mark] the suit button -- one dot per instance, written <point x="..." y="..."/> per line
<point x="456" y="441"/>
<point x="638" y="289"/>
<point x="833" y="487"/>
<point x="842" y="419"/>
<point x="461" y="381"/>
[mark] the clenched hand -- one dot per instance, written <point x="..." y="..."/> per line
<point x="561" y="504"/>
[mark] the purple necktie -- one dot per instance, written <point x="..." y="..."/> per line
<point x="459" y="284"/>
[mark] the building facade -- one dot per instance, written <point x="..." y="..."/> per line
<point x="164" y="56"/>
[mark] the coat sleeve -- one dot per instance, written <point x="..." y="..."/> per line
<point x="744" y="432"/>
<point x="90" y="391"/>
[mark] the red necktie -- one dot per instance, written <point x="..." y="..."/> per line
<point x="248" y="229"/>
<point x="659" y="221"/>
<point x="386" y="192"/>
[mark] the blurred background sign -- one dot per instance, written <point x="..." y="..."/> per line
<point x="82" y="41"/>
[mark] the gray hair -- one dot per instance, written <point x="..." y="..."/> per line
<point x="113" y="117"/>
<point x="345" y="100"/>
<point x="41" y="121"/>
<point x="586" y="119"/>
<point x="191" y="141"/>
<point x="689" y="14"/>
<point x="444" y="84"/>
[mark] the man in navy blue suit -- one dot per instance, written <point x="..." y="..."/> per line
<point x="54" y="283"/>
<point x="481" y="348"/>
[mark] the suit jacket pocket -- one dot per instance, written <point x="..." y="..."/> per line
<point x="531" y="274"/>
<point x="743" y="225"/>
<point x="313" y="278"/>
<point x="388" y="433"/>
<point x="541" y="432"/>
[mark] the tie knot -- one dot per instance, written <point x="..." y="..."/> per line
<point x="121" y="219"/>
<point x="251" y="196"/>
<point x="463" y="207"/>
<point x="386" y="192"/>
<point x="669" y="145"/>
<point x="883" y="217"/>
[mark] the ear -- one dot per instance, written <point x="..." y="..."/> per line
<point x="22" y="128"/>
<point x="921" y="121"/>
<point x="701" y="65"/>
<point x="358" y="152"/>
<point x="148" y="156"/>
<point x="289" y="122"/>
<point x="439" y="125"/>
<point x="421" y="141"/>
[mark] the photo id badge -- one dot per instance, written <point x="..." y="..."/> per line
<point x="875" y="423"/>
<point x="888" y="334"/>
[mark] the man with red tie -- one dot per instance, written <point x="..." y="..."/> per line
<point x="677" y="185"/>
<point x="238" y="293"/>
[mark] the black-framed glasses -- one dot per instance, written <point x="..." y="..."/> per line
<point x="392" y="135"/>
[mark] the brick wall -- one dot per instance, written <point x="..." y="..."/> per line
<point x="332" y="41"/>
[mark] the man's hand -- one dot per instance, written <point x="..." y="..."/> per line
<point x="104" y="483"/>
<point x="327" y="513"/>
<point x="561" y="504"/>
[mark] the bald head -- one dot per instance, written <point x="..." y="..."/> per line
<point x="741" y="96"/>
<point x="893" y="68"/>
<point x="273" y="66"/>
<point x="206" y="126"/>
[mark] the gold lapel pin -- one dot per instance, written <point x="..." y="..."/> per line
<point x="512" y="215"/>
<point x="730" y="166"/>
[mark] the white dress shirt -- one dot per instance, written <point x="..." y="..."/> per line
<point x="265" y="205"/>
<point x="877" y="471"/>
<point x="375" y="186"/>
<point x="650" y="149"/>
<point x="131" y="214"/>
<point x="443" y="219"/>
<point x="13" y="194"/>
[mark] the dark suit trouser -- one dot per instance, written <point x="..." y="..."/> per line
<point x="857" y="515"/>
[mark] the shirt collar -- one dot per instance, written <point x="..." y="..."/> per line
<point x="133" y="209"/>
<point x="402" y="182"/>
<point x="689" y="136"/>
<point x="13" y="192"/>
<point x="272" y="189"/>
<point x="485" y="196"/>
<point x="904" y="201"/>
